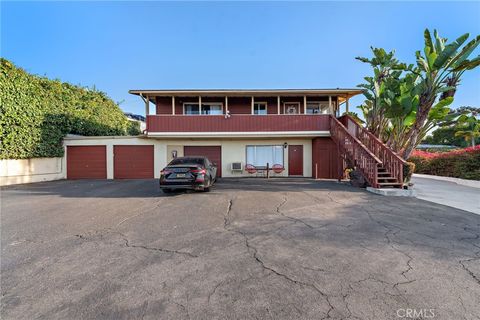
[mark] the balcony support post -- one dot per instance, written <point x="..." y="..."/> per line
<point x="346" y="105"/>
<point x="199" y="105"/>
<point x="147" y="105"/>
<point x="330" y="104"/>
<point x="173" y="105"/>
<point x="226" y="104"/>
<point x="253" y="101"/>
<point x="305" y="104"/>
<point x="278" y="104"/>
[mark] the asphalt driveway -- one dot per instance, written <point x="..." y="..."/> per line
<point x="250" y="249"/>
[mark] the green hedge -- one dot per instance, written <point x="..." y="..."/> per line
<point x="463" y="163"/>
<point x="36" y="113"/>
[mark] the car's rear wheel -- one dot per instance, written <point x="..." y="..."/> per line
<point x="208" y="184"/>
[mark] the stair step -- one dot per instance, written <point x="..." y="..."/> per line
<point x="384" y="173"/>
<point x="390" y="184"/>
<point x="387" y="178"/>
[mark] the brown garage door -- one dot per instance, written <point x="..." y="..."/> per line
<point x="86" y="162"/>
<point x="213" y="153"/>
<point x="324" y="158"/>
<point x="133" y="162"/>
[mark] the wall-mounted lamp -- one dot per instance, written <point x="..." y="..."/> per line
<point x="285" y="145"/>
<point x="174" y="154"/>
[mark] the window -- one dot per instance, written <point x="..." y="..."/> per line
<point x="313" y="108"/>
<point x="212" y="108"/>
<point x="191" y="108"/>
<point x="260" y="108"/>
<point x="207" y="108"/>
<point x="291" y="107"/>
<point x="317" y="108"/>
<point x="187" y="161"/>
<point x="259" y="156"/>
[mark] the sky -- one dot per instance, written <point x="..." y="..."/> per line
<point x="118" y="46"/>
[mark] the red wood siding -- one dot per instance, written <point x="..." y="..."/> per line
<point x="240" y="105"/>
<point x="133" y="162"/>
<point x="163" y="105"/>
<point x="295" y="160"/>
<point x="324" y="158"/>
<point x="238" y="123"/>
<point x="86" y="162"/>
<point x="213" y="153"/>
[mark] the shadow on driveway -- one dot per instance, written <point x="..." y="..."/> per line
<point x="148" y="188"/>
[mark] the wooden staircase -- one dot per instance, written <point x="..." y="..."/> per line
<point x="380" y="166"/>
<point x="386" y="180"/>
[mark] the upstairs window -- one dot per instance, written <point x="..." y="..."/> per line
<point x="207" y="108"/>
<point x="260" y="108"/>
<point x="212" y="108"/>
<point x="317" y="108"/>
<point x="191" y="108"/>
<point x="259" y="156"/>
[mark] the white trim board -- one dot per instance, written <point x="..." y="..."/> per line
<point x="259" y="134"/>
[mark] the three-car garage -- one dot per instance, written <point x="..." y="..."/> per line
<point x="128" y="161"/>
<point x="144" y="158"/>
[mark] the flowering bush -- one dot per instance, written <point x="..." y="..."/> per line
<point x="461" y="163"/>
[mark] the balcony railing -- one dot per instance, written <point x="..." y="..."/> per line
<point x="237" y="123"/>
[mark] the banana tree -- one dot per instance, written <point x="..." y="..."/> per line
<point x="468" y="128"/>
<point x="387" y="70"/>
<point x="439" y="71"/>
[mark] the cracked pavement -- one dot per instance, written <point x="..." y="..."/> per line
<point x="249" y="249"/>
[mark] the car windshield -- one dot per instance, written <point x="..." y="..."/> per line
<point x="181" y="161"/>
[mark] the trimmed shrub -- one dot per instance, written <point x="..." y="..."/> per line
<point x="36" y="113"/>
<point x="461" y="163"/>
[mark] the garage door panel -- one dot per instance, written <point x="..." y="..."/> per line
<point x="133" y="162"/>
<point x="86" y="162"/>
<point x="213" y="153"/>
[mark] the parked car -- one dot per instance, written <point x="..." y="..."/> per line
<point x="196" y="173"/>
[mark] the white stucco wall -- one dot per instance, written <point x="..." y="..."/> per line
<point x="31" y="170"/>
<point x="233" y="150"/>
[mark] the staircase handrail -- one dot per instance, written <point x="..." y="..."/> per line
<point x="354" y="149"/>
<point x="391" y="160"/>
<point x="374" y="137"/>
<point x="357" y="140"/>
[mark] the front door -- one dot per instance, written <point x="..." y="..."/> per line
<point x="295" y="160"/>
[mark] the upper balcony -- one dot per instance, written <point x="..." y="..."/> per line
<point x="238" y="125"/>
<point x="255" y="113"/>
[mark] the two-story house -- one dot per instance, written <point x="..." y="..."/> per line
<point x="298" y="132"/>
<point x="236" y="128"/>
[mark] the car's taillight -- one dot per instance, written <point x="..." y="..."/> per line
<point x="165" y="172"/>
<point x="199" y="171"/>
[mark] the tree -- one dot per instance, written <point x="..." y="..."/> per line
<point x="387" y="70"/>
<point x="469" y="125"/>
<point x="411" y="100"/>
<point x="445" y="133"/>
